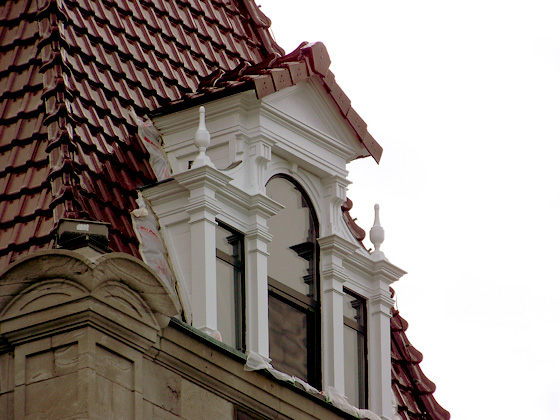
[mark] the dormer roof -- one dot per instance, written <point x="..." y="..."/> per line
<point x="278" y="72"/>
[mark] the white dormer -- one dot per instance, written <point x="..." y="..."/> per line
<point x="260" y="246"/>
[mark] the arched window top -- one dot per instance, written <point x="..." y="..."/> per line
<point x="295" y="231"/>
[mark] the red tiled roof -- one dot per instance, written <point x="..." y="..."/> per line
<point x="356" y="230"/>
<point x="69" y="72"/>
<point x="413" y="390"/>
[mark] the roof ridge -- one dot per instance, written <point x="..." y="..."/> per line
<point x="63" y="172"/>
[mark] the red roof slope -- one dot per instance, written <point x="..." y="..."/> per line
<point x="69" y="72"/>
<point x="413" y="390"/>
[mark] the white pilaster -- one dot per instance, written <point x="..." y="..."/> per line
<point x="334" y="251"/>
<point x="260" y="209"/>
<point x="203" y="183"/>
<point x="379" y="337"/>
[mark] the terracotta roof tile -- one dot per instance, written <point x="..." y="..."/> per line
<point x="69" y="72"/>
<point x="356" y="230"/>
<point x="412" y="389"/>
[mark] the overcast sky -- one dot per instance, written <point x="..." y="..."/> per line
<point x="464" y="97"/>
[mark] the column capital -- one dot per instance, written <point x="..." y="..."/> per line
<point x="204" y="176"/>
<point x="337" y="245"/>
<point x="381" y="302"/>
<point x="263" y="206"/>
<point x="385" y="272"/>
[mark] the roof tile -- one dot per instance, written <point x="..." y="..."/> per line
<point x="414" y="391"/>
<point x="281" y="78"/>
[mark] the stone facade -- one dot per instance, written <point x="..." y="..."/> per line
<point x="98" y="339"/>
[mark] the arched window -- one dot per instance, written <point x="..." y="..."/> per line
<point x="293" y="283"/>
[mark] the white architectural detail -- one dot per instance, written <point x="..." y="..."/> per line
<point x="203" y="207"/>
<point x="335" y="196"/>
<point x="379" y="336"/>
<point x="377" y="236"/>
<point x="297" y="132"/>
<point x="202" y="141"/>
<point x="334" y="250"/>
<point x="256" y="282"/>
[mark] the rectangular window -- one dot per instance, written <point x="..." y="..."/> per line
<point x="355" y="351"/>
<point x="231" y="286"/>
<point x="294" y="332"/>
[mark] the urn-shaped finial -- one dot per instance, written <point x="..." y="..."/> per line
<point x="377" y="236"/>
<point x="202" y="141"/>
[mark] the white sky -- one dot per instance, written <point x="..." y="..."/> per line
<point x="464" y="97"/>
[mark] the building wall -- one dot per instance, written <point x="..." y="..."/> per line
<point x="96" y="340"/>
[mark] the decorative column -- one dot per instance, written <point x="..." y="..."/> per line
<point x="335" y="197"/>
<point x="260" y="154"/>
<point x="260" y="209"/>
<point x="257" y="237"/>
<point x="203" y="180"/>
<point x="379" y="324"/>
<point x="334" y="250"/>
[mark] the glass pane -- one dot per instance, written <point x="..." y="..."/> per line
<point x="221" y="240"/>
<point x="288" y="338"/>
<point x="349" y="311"/>
<point x="351" y="366"/>
<point x="226" y="302"/>
<point x="289" y="227"/>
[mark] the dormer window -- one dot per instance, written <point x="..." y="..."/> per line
<point x="293" y="283"/>
<point x="230" y="286"/>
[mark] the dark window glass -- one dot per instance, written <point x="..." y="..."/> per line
<point x="355" y="353"/>
<point x="230" y="285"/>
<point x="288" y="337"/>
<point x="294" y="326"/>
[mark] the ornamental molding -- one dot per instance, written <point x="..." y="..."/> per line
<point x="54" y="290"/>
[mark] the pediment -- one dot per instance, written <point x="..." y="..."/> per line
<point x="308" y="105"/>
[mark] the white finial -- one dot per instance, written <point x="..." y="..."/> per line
<point x="377" y="236"/>
<point x="202" y="141"/>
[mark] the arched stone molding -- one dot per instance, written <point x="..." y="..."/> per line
<point x="310" y="183"/>
<point x="50" y="290"/>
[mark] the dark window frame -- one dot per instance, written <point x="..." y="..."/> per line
<point x="309" y="304"/>
<point x="237" y="261"/>
<point x="359" y="325"/>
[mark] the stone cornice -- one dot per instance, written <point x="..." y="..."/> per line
<point x="205" y="176"/>
<point x="365" y="264"/>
